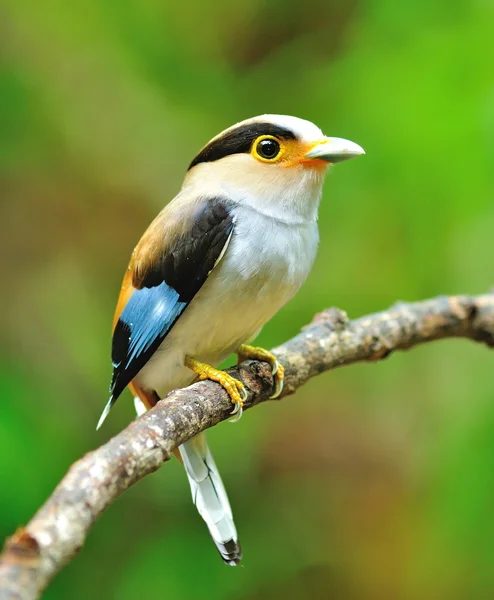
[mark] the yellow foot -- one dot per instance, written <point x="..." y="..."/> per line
<point x="234" y="387"/>
<point x="253" y="352"/>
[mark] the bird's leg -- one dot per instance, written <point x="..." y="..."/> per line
<point x="255" y="353"/>
<point x="233" y="387"/>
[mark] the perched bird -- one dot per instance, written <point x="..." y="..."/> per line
<point x="216" y="264"/>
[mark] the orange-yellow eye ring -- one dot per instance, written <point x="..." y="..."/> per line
<point x="267" y="148"/>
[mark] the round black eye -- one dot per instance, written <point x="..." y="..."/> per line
<point x="268" y="149"/>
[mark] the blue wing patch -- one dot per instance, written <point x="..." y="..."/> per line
<point x="149" y="315"/>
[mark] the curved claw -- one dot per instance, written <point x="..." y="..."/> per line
<point x="236" y="408"/>
<point x="237" y="413"/>
<point x="243" y="394"/>
<point x="279" y="378"/>
<point x="278" y="387"/>
<point x="275" y="368"/>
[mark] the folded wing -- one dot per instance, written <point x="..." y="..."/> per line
<point x="168" y="267"/>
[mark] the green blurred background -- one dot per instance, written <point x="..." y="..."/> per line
<point x="375" y="482"/>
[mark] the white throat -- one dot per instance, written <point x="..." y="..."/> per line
<point x="290" y="195"/>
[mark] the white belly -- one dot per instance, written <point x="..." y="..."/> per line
<point x="263" y="267"/>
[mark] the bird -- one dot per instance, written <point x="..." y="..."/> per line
<point x="216" y="264"/>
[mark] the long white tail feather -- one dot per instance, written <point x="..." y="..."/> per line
<point x="209" y="496"/>
<point x="208" y="493"/>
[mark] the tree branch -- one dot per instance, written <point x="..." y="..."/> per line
<point x="34" y="554"/>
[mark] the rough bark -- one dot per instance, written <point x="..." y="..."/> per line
<point x="35" y="553"/>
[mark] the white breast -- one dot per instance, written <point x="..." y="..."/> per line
<point x="263" y="267"/>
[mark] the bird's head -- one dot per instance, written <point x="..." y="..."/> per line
<point x="274" y="163"/>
